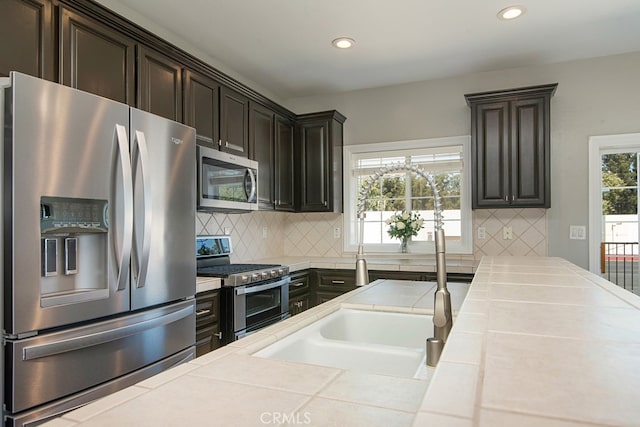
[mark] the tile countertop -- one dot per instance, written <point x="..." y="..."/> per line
<point x="536" y="342"/>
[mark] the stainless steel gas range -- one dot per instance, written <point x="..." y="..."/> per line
<point x="253" y="295"/>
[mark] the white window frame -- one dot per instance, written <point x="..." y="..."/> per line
<point x="350" y="225"/>
<point x="598" y="145"/>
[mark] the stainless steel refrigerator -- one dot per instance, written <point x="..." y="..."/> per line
<point x="98" y="212"/>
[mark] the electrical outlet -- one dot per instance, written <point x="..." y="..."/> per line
<point x="227" y="231"/>
<point x="336" y="233"/>
<point x="482" y="233"/>
<point x="507" y="233"/>
<point x="265" y="231"/>
<point x="577" y="232"/>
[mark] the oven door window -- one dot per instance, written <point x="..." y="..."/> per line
<point x="262" y="306"/>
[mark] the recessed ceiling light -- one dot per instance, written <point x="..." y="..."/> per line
<point x="343" y="42"/>
<point x="511" y="12"/>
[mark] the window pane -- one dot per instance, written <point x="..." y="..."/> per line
<point x="620" y="201"/>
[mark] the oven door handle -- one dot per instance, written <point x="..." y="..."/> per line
<point x="244" y="290"/>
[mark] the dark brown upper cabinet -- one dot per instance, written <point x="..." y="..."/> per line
<point x="159" y="84"/>
<point x="96" y="58"/>
<point x="234" y="122"/>
<point x="202" y="107"/>
<point x="510" y="143"/>
<point x="27" y="38"/>
<point x="284" y="165"/>
<point x="261" y="141"/>
<point x="319" y="155"/>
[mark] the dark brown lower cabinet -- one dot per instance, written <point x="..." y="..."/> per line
<point x="208" y="330"/>
<point x="299" y="292"/>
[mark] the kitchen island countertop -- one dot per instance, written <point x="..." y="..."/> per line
<point x="537" y="341"/>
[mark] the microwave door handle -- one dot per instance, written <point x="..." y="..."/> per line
<point x="143" y="262"/>
<point x="127" y="234"/>
<point x="248" y="173"/>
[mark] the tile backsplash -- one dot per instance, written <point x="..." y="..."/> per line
<point x="267" y="234"/>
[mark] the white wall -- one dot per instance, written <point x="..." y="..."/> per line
<point x="594" y="97"/>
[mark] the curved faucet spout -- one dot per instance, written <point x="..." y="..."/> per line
<point x="442" y="317"/>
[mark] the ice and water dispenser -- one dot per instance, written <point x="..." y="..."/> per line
<point x="74" y="239"/>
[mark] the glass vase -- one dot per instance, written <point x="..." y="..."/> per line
<point x="403" y="244"/>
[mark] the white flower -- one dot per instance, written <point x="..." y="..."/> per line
<point x="414" y="224"/>
<point x="405" y="215"/>
<point x="400" y="225"/>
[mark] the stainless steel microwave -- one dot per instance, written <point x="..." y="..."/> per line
<point x="226" y="183"/>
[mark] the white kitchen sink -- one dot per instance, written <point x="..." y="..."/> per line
<point x="360" y="340"/>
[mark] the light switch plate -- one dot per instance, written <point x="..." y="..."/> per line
<point x="577" y="232"/>
<point x="482" y="233"/>
<point x="336" y="232"/>
<point x="265" y="231"/>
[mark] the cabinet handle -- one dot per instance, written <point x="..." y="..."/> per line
<point x="218" y="334"/>
<point x="337" y="282"/>
<point x="220" y="142"/>
<point x="513" y="198"/>
<point x="506" y="198"/>
<point x="297" y="284"/>
<point x="201" y="312"/>
<point x="325" y="203"/>
<point x="226" y="144"/>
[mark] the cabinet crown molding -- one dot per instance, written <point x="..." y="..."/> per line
<point x="497" y="95"/>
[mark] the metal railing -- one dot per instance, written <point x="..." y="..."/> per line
<point x="619" y="264"/>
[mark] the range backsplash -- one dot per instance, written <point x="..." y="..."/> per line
<point x="268" y="234"/>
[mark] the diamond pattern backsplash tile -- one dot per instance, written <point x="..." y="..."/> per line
<point x="528" y="226"/>
<point x="268" y="234"/>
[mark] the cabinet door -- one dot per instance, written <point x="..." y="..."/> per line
<point x="27" y="38"/>
<point x="95" y="58"/>
<point x="529" y="153"/>
<point x="314" y="166"/>
<point x="234" y="122"/>
<point x="208" y="330"/>
<point x="261" y="136"/>
<point x="159" y="84"/>
<point x="201" y="108"/>
<point x="284" y="166"/>
<point x="490" y="152"/>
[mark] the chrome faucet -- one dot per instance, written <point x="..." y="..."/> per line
<point x="442" y="317"/>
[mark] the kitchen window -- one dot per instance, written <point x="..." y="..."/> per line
<point x="443" y="158"/>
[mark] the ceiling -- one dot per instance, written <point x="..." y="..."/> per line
<point x="285" y="45"/>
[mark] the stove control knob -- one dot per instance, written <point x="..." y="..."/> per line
<point x="255" y="277"/>
<point x="281" y="272"/>
<point x="265" y="275"/>
<point x="244" y="279"/>
<point x="274" y="273"/>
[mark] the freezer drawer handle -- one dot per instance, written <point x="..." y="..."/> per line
<point x="102" y="337"/>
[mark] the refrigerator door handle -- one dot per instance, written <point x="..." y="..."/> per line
<point x="102" y="336"/>
<point x="127" y="234"/>
<point x="143" y="261"/>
